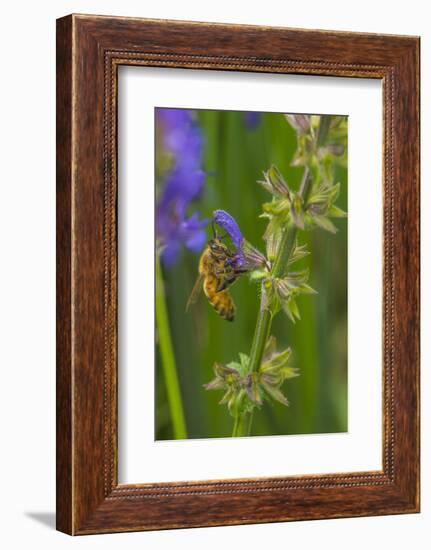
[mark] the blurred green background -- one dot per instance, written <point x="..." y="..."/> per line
<point x="235" y="157"/>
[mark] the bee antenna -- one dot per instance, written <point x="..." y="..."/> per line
<point x="214" y="230"/>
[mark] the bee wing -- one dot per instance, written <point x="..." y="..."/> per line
<point x="195" y="292"/>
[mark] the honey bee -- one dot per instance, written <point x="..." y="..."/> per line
<point x="216" y="274"/>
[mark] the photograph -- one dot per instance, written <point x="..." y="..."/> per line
<point x="251" y="243"/>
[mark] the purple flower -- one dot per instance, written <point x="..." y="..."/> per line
<point x="182" y="138"/>
<point x="252" y="119"/>
<point x="226" y="222"/>
<point x="247" y="258"/>
<point x="181" y="187"/>
<point x="178" y="233"/>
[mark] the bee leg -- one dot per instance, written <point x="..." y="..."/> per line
<point x="229" y="280"/>
<point x="221" y="286"/>
<point x="224" y="272"/>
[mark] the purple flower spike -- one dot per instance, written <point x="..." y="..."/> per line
<point x="181" y="136"/>
<point x="194" y="234"/>
<point x="183" y="139"/>
<point x="178" y="233"/>
<point x="246" y="258"/>
<point x="226" y="222"/>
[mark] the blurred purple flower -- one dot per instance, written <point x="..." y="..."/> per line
<point x="181" y="136"/>
<point x="178" y="233"/>
<point x="252" y="119"/>
<point x="183" y="139"/>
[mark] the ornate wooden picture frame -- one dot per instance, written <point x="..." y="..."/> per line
<point x="89" y="51"/>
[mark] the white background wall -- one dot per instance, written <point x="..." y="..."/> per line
<point x="27" y="241"/>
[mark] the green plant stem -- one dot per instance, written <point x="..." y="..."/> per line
<point x="168" y="358"/>
<point x="242" y="424"/>
<point x="235" y="426"/>
<point x="243" y="421"/>
<point x="322" y="131"/>
<point x="264" y="318"/>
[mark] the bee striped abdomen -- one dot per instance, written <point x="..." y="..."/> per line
<point x="215" y="276"/>
<point x="221" y="301"/>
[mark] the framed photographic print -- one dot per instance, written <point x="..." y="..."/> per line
<point x="237" y="274"/>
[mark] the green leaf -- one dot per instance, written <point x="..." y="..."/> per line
<point x="232" y="366"/>
<point x="244" y="360"/>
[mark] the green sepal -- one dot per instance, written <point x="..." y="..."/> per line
<point x="252" y="388"/>
<point x="273" y="236"/>
<point x="244" y="361"/>
<point x="277" y="207"/>
<point x="290" y="307"/>
<point x="235" y="402"/>
<point x="276" y="361"/>
<point x="274" y="182"/>
<point x="276" y="394"/>
<point x="325" y="194"/>
<point x="297" y="254"/>
<point x="336" y="212"/>
<point x="297" y="211"/>
<point x="325" y="223"/>
<point x="315" y="170"/>
<point x="258" y="275"/>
